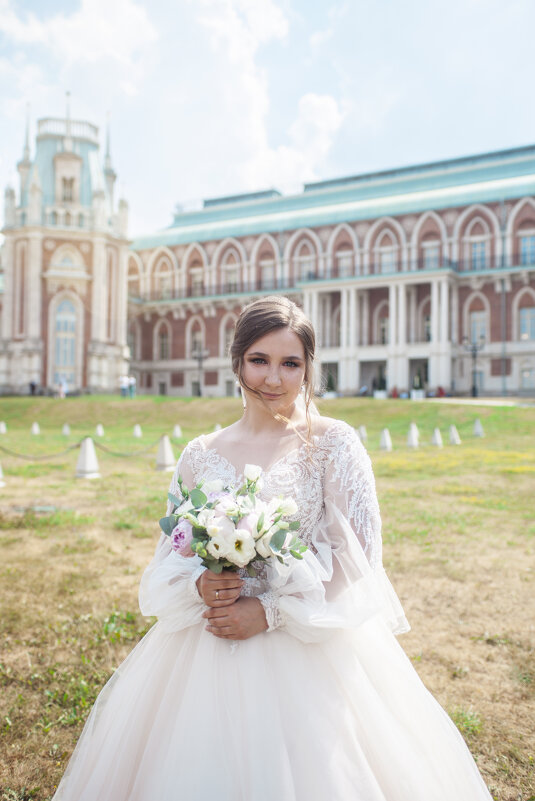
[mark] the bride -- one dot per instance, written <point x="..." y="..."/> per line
<point x="289" y="686"/>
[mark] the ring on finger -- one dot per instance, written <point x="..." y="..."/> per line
<point x="217" y="595"/>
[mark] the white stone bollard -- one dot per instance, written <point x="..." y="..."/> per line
<point x="99" y="430"/>
<point x="87" y="464"/>
<point x="413" y="436"/>
<point x="436" y="439"/>
<point x="177" y="432"/>
<point x="217" y="427"/>
<point x="35" y="429"/>
<point x="2" y="482"/>
<point x="137" y="431"/>
<point x="165" y="459"/>
<point x="3" y="427"/>
<point x="386" y="441"/>
<point x="66" y="430"/>
<point x="363" y="434"/>
<point x="454" y="436"/>
<point x="478" y="428"/>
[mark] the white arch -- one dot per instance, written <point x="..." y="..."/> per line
<point x="420" y="329"/>
<point x="65" y="294"/>
<point x="189" y="250"/>
<point x="258" y="244"/>
<point x="375" y="321"/>
<point x="332" y="242"/>
<point x="162" y="323"/>
<point x="386" y="234"/>
<point x="515" y="309"/>
<point x="229" y="242"/>
<point x="485" y="211"/>
<point x="428" y="215"/>
<point x="307" y="233"/>
<point x="161" y="252"/>
<point x="67" y="250"/>
<point x="466" y="310"/>
<point x="474" y="222"/>
<point x="195" y="318"/>
<point x="385" y="222"/>
<point x="134" y="325"/>
<point x="137" y="261"/>
<point x="222" y="328"/>
<point x="525" y="201"/>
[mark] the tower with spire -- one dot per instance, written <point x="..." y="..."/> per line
<point x="63" y="319"/>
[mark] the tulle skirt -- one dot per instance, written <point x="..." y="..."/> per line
<point x="189" y="717"/>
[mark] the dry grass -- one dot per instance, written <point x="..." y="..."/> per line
<point x="459" y="532"/>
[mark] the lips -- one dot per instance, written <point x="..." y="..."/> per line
<point x="271" y="397"/>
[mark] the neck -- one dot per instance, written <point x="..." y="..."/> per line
<point x="257" y="420"/>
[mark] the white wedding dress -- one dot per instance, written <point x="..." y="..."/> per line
<point x="324" y="706"/>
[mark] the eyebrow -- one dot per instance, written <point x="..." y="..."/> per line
<point x="285" y="358"/>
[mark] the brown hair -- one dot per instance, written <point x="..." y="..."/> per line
<point x="263" y="316"/>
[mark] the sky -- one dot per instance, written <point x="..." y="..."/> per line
<point x="210" y="98"/>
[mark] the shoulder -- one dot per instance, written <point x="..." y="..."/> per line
<point x="328" y="429"/>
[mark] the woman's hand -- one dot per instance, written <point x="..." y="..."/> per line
<point x="219" y="589"/>
<point x="241" y="620"/>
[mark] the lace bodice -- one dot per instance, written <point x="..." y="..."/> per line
<point x="337" y="466"/>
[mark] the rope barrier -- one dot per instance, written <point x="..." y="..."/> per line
<point x="44" y="457"/>
<point x="126" y="455"/>
<point x="40" y="458"/>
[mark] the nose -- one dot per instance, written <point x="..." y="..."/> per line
<point x="273" y="379"/>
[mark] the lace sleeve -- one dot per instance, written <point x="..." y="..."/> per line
<point x="168" y="588"/>
<point x="350" y="484"/>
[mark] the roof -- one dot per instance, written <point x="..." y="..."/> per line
<point x="457" y="182"/>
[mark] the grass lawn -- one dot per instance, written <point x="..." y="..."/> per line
<point x="459" y="537"/>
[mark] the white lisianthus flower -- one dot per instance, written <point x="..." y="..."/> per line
<point x="252" y="472"/>
<point x="246" y="504"/>
<point x="218" y="547"/>
<point x="216" y="485"/>
<point x="227" y="505"/>
<point x="262" y="545"/>
<point x="241" y="549"/>
<point x="221" y="527"/>
<point x="288" y="506"/>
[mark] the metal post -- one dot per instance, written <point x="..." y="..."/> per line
<point x="200" y="356"/>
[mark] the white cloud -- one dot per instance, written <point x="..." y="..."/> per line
<point x="98" y="31"/>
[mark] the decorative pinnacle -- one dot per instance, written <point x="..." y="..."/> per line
<point x="107" y="158"/>
<point x="26" y="153"/>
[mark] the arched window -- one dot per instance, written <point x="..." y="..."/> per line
<point x="478" y="325"/>
<point x="305" y="262"/>
<point x="526" y="319"/>
<point x="163" y="343"/>
<point x="267" y="273"/>
<point x="197" y="339"/>
<point x="65" y="344"/>
<point x="386" y="253"/>
<point x="344" y="262"/>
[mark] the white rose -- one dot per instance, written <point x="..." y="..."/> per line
<point x="213" y="486"/>
<point x="288" y="506"/>
<point x="252" y="472"/>
<point x="218" y="547"/>
<point x="242" y="549"/>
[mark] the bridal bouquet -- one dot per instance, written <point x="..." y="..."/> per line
<point x="231" y="528"/>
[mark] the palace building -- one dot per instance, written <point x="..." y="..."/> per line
<point x="419" y="278"/>
<point x="64" y="304"/>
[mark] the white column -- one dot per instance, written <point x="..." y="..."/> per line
<point x="98" y="311"/>
<point x="444" y="310"/>
<point x="34" y="281"/>
<point x="353" y="317"/>
<point x="412" y="314"/>
<point x="7" y="309"/>
<point x="122" y="295"/>
<point x="434" y="312"/>
<point x="343" y="320"/>
<point x="402" y="322"/>
<point x="314" y="319"/>
<point x="365" y="317"/>
<point x="392" y="316"/>
<point x="454" y="333"/>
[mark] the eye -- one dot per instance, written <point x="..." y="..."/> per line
<point x="291" y="364"/>
<point x="257" y="360"/>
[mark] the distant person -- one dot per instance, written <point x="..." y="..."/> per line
<point x="33" y="387"/>
<point x="124" y="382"/>
<point x="132" y="386"/>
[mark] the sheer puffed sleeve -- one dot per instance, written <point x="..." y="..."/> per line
<point x="340" y="583"/>
<point x="168" y="587"/>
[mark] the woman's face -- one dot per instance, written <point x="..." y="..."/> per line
<point x="274" y="366"/>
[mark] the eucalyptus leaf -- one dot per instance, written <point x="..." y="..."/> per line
<point x="294" y="525"/>
<point x="174" y="499"/>
<point x="167" y="524"/>
<point x="277" y="540"/>
<point x="260" y="522"/>
<point x="296" y="554"/>
<point x="198" y="498"/>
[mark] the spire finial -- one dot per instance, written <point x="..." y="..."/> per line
<point x="26" y="154"/>
<point x="67" y="144"/>
<point x="107" y="158"/>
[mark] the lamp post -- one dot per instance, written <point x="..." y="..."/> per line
<point x="200" y="354"/>
<point x="473" y="347"/>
